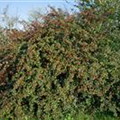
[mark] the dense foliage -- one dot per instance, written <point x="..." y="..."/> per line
<point x="67" y="63"/>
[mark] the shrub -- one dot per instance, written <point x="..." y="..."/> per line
<point x="66" y="64"/>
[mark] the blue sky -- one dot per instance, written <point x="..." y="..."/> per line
<point x="23" y="7"/>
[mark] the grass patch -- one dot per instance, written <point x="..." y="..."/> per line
<point x="98" y="116"/>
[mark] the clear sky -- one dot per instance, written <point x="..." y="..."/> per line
<point x="23" y="7"/>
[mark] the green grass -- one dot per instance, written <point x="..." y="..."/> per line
<point x="99" y="116"/>
<point x="94" y="117"/>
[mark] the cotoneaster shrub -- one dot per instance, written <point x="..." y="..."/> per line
<point x="68" y="63"/>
